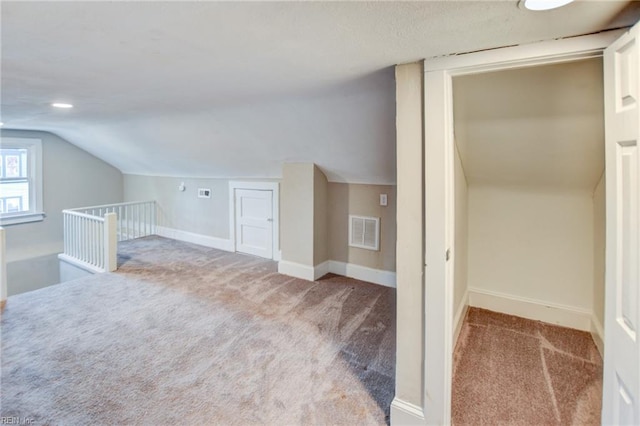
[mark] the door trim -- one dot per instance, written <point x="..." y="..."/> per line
<point x="257" y="186"/>
<point x="439" y="203"/>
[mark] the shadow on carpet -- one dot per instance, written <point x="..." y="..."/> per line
<point x="184" y="333"/>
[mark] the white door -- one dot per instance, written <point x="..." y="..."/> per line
<point x="254" y="222"/>
<point x="621" y="390"/>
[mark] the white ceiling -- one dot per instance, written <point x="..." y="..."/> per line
<point x="535" y="127"/>
<point x="234" y="89"/>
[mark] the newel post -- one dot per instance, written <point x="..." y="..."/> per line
<point x="110" y="242"/>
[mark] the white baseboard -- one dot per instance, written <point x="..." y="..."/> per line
<point x="190" y="237"/>
<point x="406" y="413"/>
<point x="375" y="276"/>
<point x="566" y="316"/>
<point x="296" y="270"/>
<point x="79" y="264"/>
<point x="321" y="270"/>
<point x="458" y="319"/>
<point x="597" y="332"/>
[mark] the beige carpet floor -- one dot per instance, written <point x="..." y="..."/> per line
<point x="183" y="334"/>
<point x="514" y="371"/>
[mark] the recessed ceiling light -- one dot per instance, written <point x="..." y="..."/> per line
<point x="61" y="105"/>
<point x="1" y="123"/>
<point x="543" y="4"/>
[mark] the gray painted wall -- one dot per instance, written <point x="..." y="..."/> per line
<point x="363" y="200"/>
<point x="321" y="236"/>
<point x="297" y="213"/>
<point x="32" y="274"/>
<point x="184" y="210"/>
<point x="71" y="178"/>
<point x="210" y="217"/>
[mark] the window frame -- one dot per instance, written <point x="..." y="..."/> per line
<point x="34" y="177"/>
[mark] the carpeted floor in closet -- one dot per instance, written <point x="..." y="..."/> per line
<point x="513" y="371"/>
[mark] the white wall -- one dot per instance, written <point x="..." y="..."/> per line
<point x="461" y="240"/>
<point x="529" y="126"/>
<point x="535" y="244"/>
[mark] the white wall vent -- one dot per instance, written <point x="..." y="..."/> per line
<point x="364" y="232"/>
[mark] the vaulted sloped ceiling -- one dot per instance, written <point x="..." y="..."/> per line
<point x="234" y="89"/>
<point x="539" y="127"/>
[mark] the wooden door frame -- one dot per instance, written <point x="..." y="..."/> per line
<point x="256" y="186"/>
<point x="438" y="198"/>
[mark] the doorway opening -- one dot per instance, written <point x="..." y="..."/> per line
<point x="529" y="238"/>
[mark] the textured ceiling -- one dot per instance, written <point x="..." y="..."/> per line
<point x="537" y="127"/>
<point x="234" y="89"/>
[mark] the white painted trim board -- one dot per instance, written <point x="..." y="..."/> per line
<point x="351" y="270"/>
<point x="597" y="333"/>
<point x="296" y="270"/>
<point x="358" y="272"/>
<point x="458" y="319"/>
<point x="190" y="237"/>
<point x="405" y="413"/>
<point x="566" y="316"/>
<point x="79" y="264"/>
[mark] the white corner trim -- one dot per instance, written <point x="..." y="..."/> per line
<point x="321" y="270"/>
<point x="597" y="332"/>
<point x="553" y="313"/>
<point x="375" y="276"/>
<point x="351" y="270"/>
<point x="190" y="237"/>
<point x="459" y="317"/>
<point x="536" y="53"/>
<point x="406" y="413"/>
<point x="296" y="270"/>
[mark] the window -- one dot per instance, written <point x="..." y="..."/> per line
<point x="20" y="180"/>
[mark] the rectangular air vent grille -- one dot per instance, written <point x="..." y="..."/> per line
<point x="364" y="232"/>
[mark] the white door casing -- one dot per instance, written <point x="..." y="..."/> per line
<point x="254" y="222"/>
<point x="621" y="388"/>
<point x="439" y="206"/>
<point x="274" y="189"/>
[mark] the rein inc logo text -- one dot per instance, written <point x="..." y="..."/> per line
<point x="16" y="421"/>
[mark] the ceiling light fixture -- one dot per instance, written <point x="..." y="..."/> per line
<point x="61" y="105"/>
<point x="543" y="4"/>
